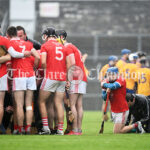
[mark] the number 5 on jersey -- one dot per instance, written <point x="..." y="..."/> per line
<point x="59" y="53"/>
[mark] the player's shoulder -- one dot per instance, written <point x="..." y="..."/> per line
<point x="71" y="46"/>
<point x="144" y="70"/>
<point x="26" y="43"/>
<point x="133" y="65"/>
<point x="147" y="70"/>
<point x="119" y="61"/>
<point x="106" y="66"/>
<point x="130" y="65"/>
<point x="121" y="80"/>
<point x="2" y="38"/>
<point x="15" y="42"/>
<point x="29" y="43"/>
<point x="45" y="45"/>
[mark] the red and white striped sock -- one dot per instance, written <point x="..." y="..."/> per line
<point x="45" y="123"/>
<point x="60" y="126"/>
<point x="15" y="127"/>
<point x="21" y="129"/>
<point x="28" y="128"/>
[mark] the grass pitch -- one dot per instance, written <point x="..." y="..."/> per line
<point x="90" y="140"/>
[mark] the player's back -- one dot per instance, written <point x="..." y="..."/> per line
<point x="138" y="64"/>
<point x="129" y="71"/>
<point x="56" y="60"/>
<point x="23" y="67"/>
<point x="120" y="64"/>
<point x="143" y="80"/>
<point x="4" y="42"/>
<point x="78" y="58"/>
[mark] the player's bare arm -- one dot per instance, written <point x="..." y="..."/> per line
<point x="43" y="61"/>
<point x="5" y="58"/>
<point x="70" y="61"/>
<point x="16" y="54"/>
<point x="37" y="57"/>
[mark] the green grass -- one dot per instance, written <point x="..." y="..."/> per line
<point x="90" y="140"/>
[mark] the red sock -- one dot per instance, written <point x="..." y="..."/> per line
<point x="20" y="129"/>
<point x="60" y="126"/>
<point x="28" y="128"/>
<point x="135" y="125"/>
<point x="45" y="121"/>
<point x="15" y="127"/>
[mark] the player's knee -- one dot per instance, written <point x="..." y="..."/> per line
<point x="117" y="131"/>
<point x="19" y="106"/>
<point x="1" y="106"/>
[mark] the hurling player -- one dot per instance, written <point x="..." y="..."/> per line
<point x="116" y="86"/>
<point x="55" y="61"/>
<point x="24" y="81"/>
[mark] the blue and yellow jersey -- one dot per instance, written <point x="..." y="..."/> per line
<point x="138" y="64"/>
<point x="120" y="65"/>
<point x="129" y="71"/>
<point x="103" y="71"/>
<point x="143" y="81"/>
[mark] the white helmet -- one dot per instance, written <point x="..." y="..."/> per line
<point x="133" y="56"/>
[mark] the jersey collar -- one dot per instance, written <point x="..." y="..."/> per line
<point x="15" y="38"/>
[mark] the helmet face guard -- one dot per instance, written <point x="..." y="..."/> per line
<point x="44" y="37"/>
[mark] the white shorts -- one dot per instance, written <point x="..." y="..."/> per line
<point x="4" y="83"/>
<point x="24" y="83"/>
<point x="120" y="117"/>
<point x="53" y="85"/>
<point x="78" y="88"/>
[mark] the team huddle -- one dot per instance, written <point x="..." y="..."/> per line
<point x="52" y="74"/>
<point x="38" y="81"/>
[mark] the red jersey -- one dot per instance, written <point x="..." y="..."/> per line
<point x="3" y="67"/>
<point x="39" y="71"/>
<point x="78" y="59"/>
<point x="56" y="60"/>
<point x="4" y="42"/>
<point x="118" y="97"/>
<point x="22" y="67"/>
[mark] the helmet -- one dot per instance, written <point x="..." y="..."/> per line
<point x="125" y="51"/>
<point x="133" y="56"/>
<point x="61" y="33"/>
<point x="112" y="70"/>
<point x="141" y="54"/>
<point x="113" y="58"/>
<point x="49" y="32"/>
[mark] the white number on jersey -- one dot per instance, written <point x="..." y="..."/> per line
<point x="58" y="51"/>
<point x="23" y="48"/>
